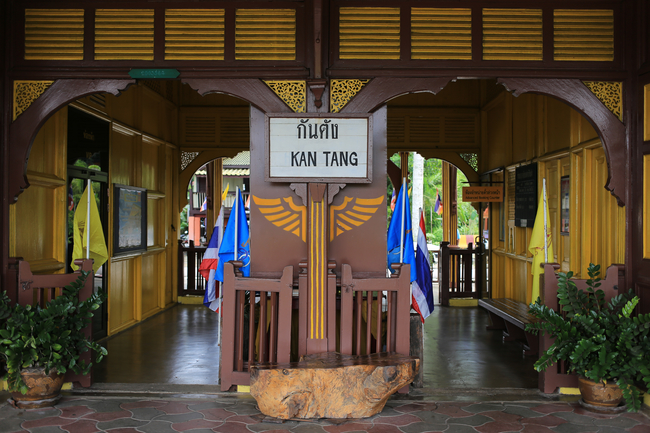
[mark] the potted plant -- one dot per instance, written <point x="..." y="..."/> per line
<point x="41" y="344"/>
<point x="601" y="342"/>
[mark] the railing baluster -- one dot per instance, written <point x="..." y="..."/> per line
<point x="357" y="310"/>
<point x="251" y="327"/>
<point x="273" y="343"/>
<point x="263" y="352"/>
<point x="379" y="320"/>
<point x="368" y="321"/>
<point x="240" y="331"/>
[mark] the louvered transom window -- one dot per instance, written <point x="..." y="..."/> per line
<point x="369" y="33"/>
<point x="194" y="34"/>
<point x="265" y="34"/>
<point x="54" y="34"/>
<point x="444" y="34"/>
<point x="512" y="34"/>
<point x="583" y="35"/>
<point x="124" y="34"/>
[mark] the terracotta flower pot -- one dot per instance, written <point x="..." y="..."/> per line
<point x="44" y="390"/>
<point x="600" y="394"/>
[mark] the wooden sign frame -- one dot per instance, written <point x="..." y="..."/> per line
<point x="483" y="194"/>
<point x="365" y="178"/>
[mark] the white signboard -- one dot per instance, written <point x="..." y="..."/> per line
<point x="318" y="149"/>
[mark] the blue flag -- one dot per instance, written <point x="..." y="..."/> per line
<point x="402" y="206"/>
<point x="227" y="248"/>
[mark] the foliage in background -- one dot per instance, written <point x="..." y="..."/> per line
<point x="432" y="182"/>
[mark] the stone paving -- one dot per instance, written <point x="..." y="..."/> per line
<point x="238" y="413"/>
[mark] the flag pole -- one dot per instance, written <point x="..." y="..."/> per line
<point x="545" y="222"/>
<point x="401" y="239"/>
<point x="236" y="221"/>
<point x="88" y="189"/>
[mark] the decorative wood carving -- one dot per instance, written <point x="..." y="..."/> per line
<point x="331" y="385"/>
<point x="23" y="130"/>
<point x="301" y="191"/>
<point x="612" y="132"/>
<point x="380" y="90"/>
<point x="317" y="88"/>
<point x="332" y="190"/>
<point x="251" y="90"/>
<point x="293" y="93"/>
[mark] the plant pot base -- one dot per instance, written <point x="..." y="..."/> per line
<point x="603" y="409"/>
<point x="34" y="404"/>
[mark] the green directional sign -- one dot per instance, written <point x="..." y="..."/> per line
<point x="151" y="74"/>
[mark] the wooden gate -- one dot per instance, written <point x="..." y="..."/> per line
<point x="457" y="276"/>
<point x="190" y="281"/>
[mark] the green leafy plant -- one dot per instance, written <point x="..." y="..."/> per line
<point x="598" y="340"/>
<point x="49" y="337"/>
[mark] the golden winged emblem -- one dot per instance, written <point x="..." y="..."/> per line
<point x="284" y="213"/>
<point x="352" y="213"/>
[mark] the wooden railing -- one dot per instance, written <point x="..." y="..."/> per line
<point x="381" y="298"/>
<point x="190" y="281"/>
<point x="33" y="289"/>
<point x="365" y="316"/>
<point x="556" y="375"/>
<point x="256" y="323"/>
<point x="456" y="273"/>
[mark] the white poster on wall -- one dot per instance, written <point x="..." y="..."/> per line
<point x="318" y="148"/>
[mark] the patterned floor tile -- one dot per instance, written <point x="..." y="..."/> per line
<point x="196" y="424"/>
<point x="504" y="417"/>
<point x="523" y="411"/>
<point x="416" y="407"/>
<point x="620" y="422"/>
<point x="108" y="416"/>
<point x="75" y="411"/>
<point x="484" y="407"/>
<point x="575" y="418"/>
<point x="533" y="428"/>
<point x="612" y="430"/>
<point x="575" y="428"/>
<point x="457" y="428"/>
<point x="452" y="410"/>
<point x="399" y="420"/>
<point x="498" y="427"/>
<point x="473" y="421"/>
<point x="232" y="427"/>
<point x="46" y="422"/>
<point x="423" y="427"/>
<point x="81" y="426"/>
<point x="10" y="425"/>
<point x="271" y="426"/>
<point x="216" y="414"/>
<point x="143" y="404"/>
<point x="156" y="426"/>
<point x="639" y="429"/>
<point x="545" y="420"/>
<point x="180" y="417"/>
<point x="145" y="413"/>
<point x="432" y="417"/>
<point x="175" y="407"/>
<point x="552" y="408"/>
<point x="120" y="423"/>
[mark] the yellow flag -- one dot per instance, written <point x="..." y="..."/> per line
<point x="98" y="250"/>
<point x="536" y="245"/>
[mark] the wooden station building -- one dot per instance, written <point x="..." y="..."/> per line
<point x="144" y="93"/>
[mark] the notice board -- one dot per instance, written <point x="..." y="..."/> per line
<point x="525" y="195"/>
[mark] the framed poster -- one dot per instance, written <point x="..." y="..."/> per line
<point x="327" y="147"/>
<point x="564" y="208"/>
<point x="129" y="219"/>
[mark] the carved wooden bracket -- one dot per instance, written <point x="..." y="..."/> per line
<point x="317" y="87"/>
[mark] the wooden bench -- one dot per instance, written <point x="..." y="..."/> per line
<point x="512" y="317"/>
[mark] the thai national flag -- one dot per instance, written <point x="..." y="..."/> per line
<point x="204" y="206"/>
<point x="210" y="263"/>
<point x="422" y="286"/>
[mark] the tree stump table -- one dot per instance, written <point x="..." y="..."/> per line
<point x="330" y="385"/>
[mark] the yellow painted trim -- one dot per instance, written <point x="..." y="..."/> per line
<point x="646" y="399"/>
<point x="646" y="206"/>
<point x="244" y="388"/>
<point x="569" y="391"/>
<point x="463" y="302"/>
<point x="190" y="300"/>
<point x="311" y="273"/>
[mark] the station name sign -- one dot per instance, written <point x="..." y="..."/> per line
<point x="319" y="149"/>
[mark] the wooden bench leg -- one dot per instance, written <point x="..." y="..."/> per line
<point x="497" y="323"/>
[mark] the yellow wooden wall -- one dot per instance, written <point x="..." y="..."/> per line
<point x="533" y="128"/>
<point x="143" y="153"/>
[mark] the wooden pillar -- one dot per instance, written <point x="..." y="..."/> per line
<point x="449" y="204"/>
<point x="317" y="268"/>
<point x="404" y="165"/>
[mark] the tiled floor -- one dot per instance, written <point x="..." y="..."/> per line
<point x="239" y="414"/>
